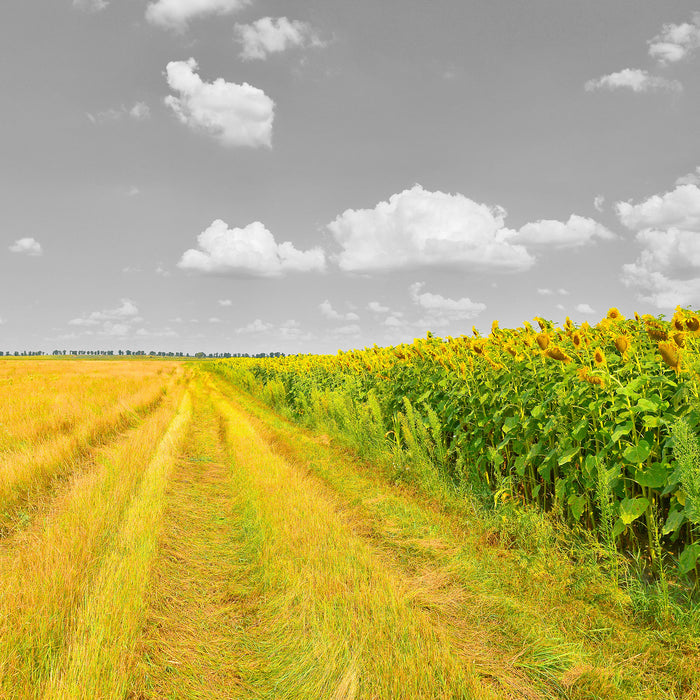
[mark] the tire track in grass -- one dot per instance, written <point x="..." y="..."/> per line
<point x="322" y="615"/>
<point x="190" y="644"/>
<point x="96" y="662"/>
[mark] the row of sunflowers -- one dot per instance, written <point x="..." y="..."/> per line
<point x="596" y="423"/>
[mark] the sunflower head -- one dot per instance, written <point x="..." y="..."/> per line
<point x="494" y="327"/>
<point x="670" y="355"/>
<point x="556" y="353"/>
<point x="577" y="340"/>
<point x="615" y="315"/>
<point x="678" y="323"/>
<point x="622" y="344"/>
<point x="475" y="331"/>
<point x="542" y="340"/>
<point x="637" y="316"/>
<point x="692" y="324"/>
<point x="679" y="339"/>
<point x="657" y="334"/>
<point x="599" y="357"/>
<point x="541" y="323"/>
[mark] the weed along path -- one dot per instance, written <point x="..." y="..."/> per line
<point x="216" y="550"/>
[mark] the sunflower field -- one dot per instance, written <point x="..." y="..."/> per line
<point x="596" y="424"/>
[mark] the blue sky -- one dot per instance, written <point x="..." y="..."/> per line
<point x="244" y="175"/>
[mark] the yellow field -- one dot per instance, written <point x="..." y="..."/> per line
<point x="165" y="535"/>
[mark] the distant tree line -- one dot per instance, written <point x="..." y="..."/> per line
<point x="135" y="353"/>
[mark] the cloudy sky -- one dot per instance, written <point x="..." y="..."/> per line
<point x="303" y="176"/>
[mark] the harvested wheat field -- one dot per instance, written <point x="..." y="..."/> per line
<point x="166" y="534"/>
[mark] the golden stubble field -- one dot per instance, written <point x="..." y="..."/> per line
<point x="166" y="535"/>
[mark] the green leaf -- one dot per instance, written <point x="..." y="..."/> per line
<point x="632" y="508"/>
<point x="537" y="412"/>
<point x="620" y="431"/>
<point x="520" y="464"/>
<point x="655" y="477"/>
<point x="637" y="453"/>
<point x="579" y="432"/>
<point x="568" y="455"/>
<point x="618" y="528"/>
<point x="689" y="557"/>
<point x="648" y="405"/>
<point x="510" y="423"/>
<point x="577" y="505"/>
<point x="673" y="522"/>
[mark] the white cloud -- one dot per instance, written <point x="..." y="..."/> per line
<point x="676" y="42"/>
<point x="351" y="329"/>
<point x="237" y="115"/>
<point x="110" y="322"/>
<point x="133" y="191"/>
<point x="269" y="35"/>
<point x="176" y="14"/>
<point x="249" y="251"/>
<point x="679" y="208"/>
<point x="545" y="292"/>
<point x="91" y="5"/>
<point x="633" y="79"/>
<point x="690" y="179"/>
<point x="225" y="302"/>
<point x="139" y="111"/>
<point x="584" y="309"/>
<point x="667" y="270"/>
<point x="126" y="310"/>
<point x="214" y="319"/>
<point x="441" y="309"/>
<point x="378" y="308"/>
<point x="26" y="246"/>
<point x="329" y="312"/>
<point x="417" y="228"/>
<point x="599" y="202"/>
<point x="576" y="232"/>
<point x="256" y="326"/>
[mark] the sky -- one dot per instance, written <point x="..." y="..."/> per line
<point x="266" y="176"/>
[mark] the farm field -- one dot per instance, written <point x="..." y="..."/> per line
<point x="168" y="531"/>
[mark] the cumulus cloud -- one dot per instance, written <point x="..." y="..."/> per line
<point x="269" y="35"/>
<point x="111" y="322"/>
<point x="633" y="79"/>
<point x="679" y="208"/>
<point x="249" y="251"/>
<point x="575" y="233"/>
<point x="599" y="202"/>
<point x="329" y="312"/>
<point x="237" y="115"/>
<point x="442" y="310"/>
<point x="26" y="246"/>
<point x="417" y="227"/>
<point x="676" y="42"/>
<point x="690" y="179"/>
<point x="90" y="5"/>
<point x="667" y="270"/>
<point x="256" y="326"/>
<point x="225" y="302"/>
<point x="584" y="309"/>
<point x="546" y="292"/>
<point x="176" y="14"/>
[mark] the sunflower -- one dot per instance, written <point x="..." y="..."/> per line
<point x="692" y="324"/>
<point x="542" y="340"/>
<point x="576" y="340"/>
<point x="678" y="323"/>
<point x="556" y="353"/>
<point x="494" y="327"/>
<point x="622" y="344"/>
<point x="615" y="315"/>
<point x="679" y="339"/>
<point x="599" y="358"/>
<point x="670" y="355"/>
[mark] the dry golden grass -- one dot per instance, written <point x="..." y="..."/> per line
<point x="48" y="569"/>
<point x="53" y="412"/>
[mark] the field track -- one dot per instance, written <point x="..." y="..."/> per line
<point x="207" y="548"/>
